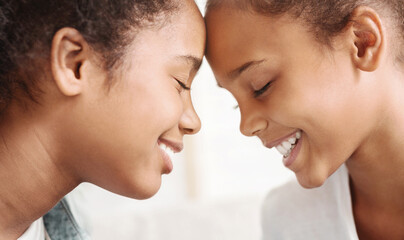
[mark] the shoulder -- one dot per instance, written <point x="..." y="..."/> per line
<point x="291" y="210"/>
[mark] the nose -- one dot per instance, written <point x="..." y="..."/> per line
<point x="252" y="122"/>
<point x="190" y="122"/>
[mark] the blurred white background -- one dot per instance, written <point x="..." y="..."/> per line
<point x="215" y="191"/>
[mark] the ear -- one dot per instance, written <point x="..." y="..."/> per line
<point x="69" y="52"/>
<point x="368" y="38"/>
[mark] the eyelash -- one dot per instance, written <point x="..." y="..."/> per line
<point x="182" y="85"/>
<point x="258" y="93"/>
<point x="262" y="90"/>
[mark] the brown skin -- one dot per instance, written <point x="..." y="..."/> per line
<point x="81" y="132"/>
<point x="347" y="100"/>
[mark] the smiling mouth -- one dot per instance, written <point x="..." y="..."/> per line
<point x="170" y="152"/>
<point x="170" y="147"/>
<point x="286" y="147"/>
<point x="167" y="150"/>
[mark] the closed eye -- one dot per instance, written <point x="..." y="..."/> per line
<point x="262" y="90"/>
<point x="182" y="85"/>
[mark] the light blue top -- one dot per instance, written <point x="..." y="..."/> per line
<point x="61" y="225"/>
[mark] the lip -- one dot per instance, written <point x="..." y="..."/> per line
<point x="279" y="140"/>
<point x="293" y="155"/>
<point x="175" y="146"/>
<point x="168" y="164"/>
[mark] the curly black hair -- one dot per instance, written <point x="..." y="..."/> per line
<point x="28" y="26"/>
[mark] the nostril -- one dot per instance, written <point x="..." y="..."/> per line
<point x="188" y="130"/>
<point x="255" y="132"/>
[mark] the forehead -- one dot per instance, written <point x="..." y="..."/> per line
<point x="236" y="37"/>
<point x="183" y="33"/>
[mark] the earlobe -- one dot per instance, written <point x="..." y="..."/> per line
<point x="367" y="38"/>
<point x="68" y="54"/>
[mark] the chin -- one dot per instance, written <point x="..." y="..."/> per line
<point x="140" y="189"/>
<point x="146" y="194"/>
<point x="311" y="181"/>
<point x="146" y="189"/>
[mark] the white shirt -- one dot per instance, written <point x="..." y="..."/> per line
<point x="292" y="212"/>
<point x="35" y="232"/>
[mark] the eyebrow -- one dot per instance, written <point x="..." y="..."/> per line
<point x="195" y="62"/>
<point x="246" y="66"/>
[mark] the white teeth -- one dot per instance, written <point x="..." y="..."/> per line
<point x="168" y="150"/>
<point x="286" y="147"/>
<point x="281" y="149"/>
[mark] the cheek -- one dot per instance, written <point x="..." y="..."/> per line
<point x="291" y="104"/>
<point x="318" y="104"/>
<point x="329" y="112"/>
<point x="154" y="107"/>
<point x="314" y="99"/>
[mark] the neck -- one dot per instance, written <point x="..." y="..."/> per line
<point x="377" y="167"/>
<point x="32" y="180"/>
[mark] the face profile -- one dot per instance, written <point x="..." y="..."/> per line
<point x="294" y="93"/>
<point x="280" y="89"/>
<point x="91" y="91"/>
<point x="142" y="118"/>
<point x="322" y="82"/>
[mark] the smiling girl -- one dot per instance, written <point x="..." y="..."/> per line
<point x="322" y="82"/>
<point x="90" y="91"/>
